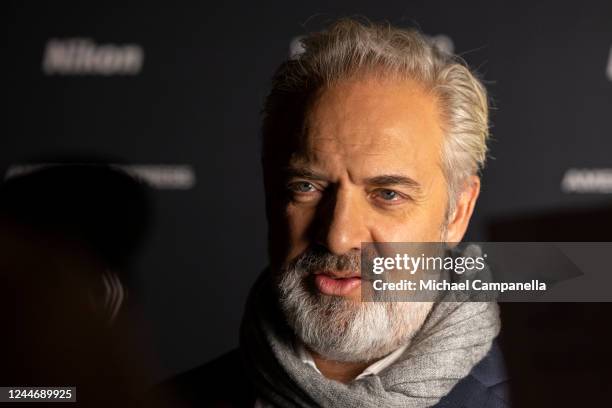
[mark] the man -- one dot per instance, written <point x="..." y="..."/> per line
<point x="370" y="135"/>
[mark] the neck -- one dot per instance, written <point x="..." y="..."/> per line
<point x="338" y="370"/>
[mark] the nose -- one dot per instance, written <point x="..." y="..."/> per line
<point x="342" y="226"/>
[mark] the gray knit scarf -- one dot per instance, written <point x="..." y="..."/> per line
<point x="454" y="338"/>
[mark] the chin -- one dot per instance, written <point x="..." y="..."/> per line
<point x="344" y="329"/>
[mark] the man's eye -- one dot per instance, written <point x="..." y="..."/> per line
<point x="302" y="187"/>
<point x="388" y="195"/>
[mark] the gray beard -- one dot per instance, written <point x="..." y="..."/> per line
<point x="341" y="329"/>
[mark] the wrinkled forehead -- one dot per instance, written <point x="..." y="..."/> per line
<point x="371" y="121"/>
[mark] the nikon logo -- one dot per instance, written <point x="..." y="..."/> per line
<point x="82" y="56"/>
<point x="597" y="181"/>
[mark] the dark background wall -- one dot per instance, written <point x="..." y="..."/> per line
<point x="188" y="93"/>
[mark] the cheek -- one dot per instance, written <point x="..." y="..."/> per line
<point x="298" y="221"/>
<point x="421" y="222"/>
<point x="415" y="228"/>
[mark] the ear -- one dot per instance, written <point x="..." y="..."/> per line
<point x="460" y="218"/>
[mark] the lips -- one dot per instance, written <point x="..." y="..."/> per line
<point x="336" y="284"/>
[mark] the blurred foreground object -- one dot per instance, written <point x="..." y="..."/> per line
<point x="67" y="234"/>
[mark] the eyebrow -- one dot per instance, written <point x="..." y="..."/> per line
<point x="305" y="173"/>
<point x="394" y="179"/>
<point x="378" y="181"/>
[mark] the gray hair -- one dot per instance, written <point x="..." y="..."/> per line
<point x="349" y="48"/>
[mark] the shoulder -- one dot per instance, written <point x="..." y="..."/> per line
<point x="222" y="382"/>
<point x="487" y="385"/>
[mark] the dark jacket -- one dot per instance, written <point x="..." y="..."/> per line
<point x="224" y="383"/>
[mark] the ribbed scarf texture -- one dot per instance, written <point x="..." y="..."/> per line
<point x="453" y="339"/>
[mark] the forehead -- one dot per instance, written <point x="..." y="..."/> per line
<point x="373" y="120"/>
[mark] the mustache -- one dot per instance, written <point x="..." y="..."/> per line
<point x="319" y="259"/>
